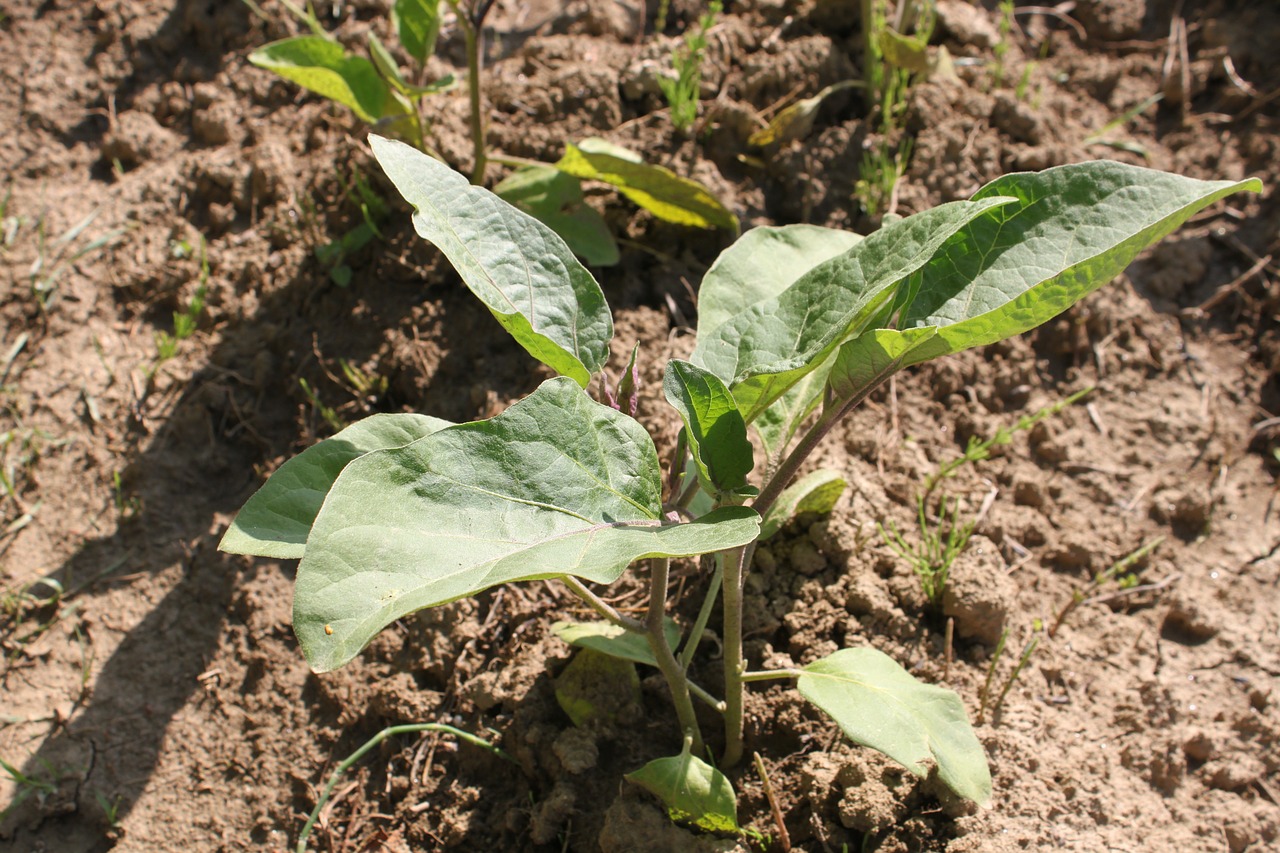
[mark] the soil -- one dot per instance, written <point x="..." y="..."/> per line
<point x="152" y="696"/>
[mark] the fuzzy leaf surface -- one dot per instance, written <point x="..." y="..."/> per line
<point x="556" y="485"/>
<point x="518" y="267"/>
<point x="761" y="264"/>
<point x="766" y="349"/>
<point x="865" y="361"/>
<point x="655" y="188"/>
<point x="276" y="520"/>
<point x="879" y="704"/>
<point x="1072" y="229"/>
<point x="324" y="67"/>
<point x="716" y="431"/>
<point x="618" y="642"/>
<point x="693" y="791"/>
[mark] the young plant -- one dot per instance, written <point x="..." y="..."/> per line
<point x="399" y="512"/>
<point x="684" y="89"/>
<point x="931" y="559"/>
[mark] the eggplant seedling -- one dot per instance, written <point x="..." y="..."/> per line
<point x="797" y="326"/>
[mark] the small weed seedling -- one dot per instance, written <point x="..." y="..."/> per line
<point x="683" y="90"/>
<point x="1118" y="571"/>
<point x="931" y="559"/>
<point x="186" y="321"/>
<point x="797" y="326"/>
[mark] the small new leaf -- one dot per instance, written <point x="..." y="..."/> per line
<point x="693" y="791"/>
<point x="417" y="24"/>
<point x="716" y="432"/>
<point x="817" y="492"/>
<point x="610" y="639"/>
<point x="879" y="704"/>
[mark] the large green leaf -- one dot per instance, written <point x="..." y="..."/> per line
<point x="557" y="200"/>
<point x="867" y="360"/>
<point x="276" y="520"/>
<point x="761" y="264"/>
<point x="766" y="349"/>
<point x="879" y="704"/>
<point x="658" y="190"/>
<point x="716" y="432"/>
<point x="692" y="790"/>
<point x="1072" y="229"/>
<point x="321" y="65"/>
<point x="518" y="267"/>
<point x="417" y="23"/>
<point x="614" y="640"/>
<point x="556" y="485"/>
<point x="778" y="423"/>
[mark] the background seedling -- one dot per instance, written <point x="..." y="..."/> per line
<point x="186" y="321"/>
<point x="932" y="556"/>
<point x="1117" y="571"/>
<point x="683" y="90"/>
<point x="402" y="512"/>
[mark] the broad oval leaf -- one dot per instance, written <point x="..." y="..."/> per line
<point x="556" y="199"/>
<point x="692" y="790"/>
<point x="879" y="704"/>
<point x="761" y="264"/>
<point x="556" y="485"/>
<point x="716" y="432"/>
<point x="766" y="349"/>
<point x="417" y="24"/>
<point x="816" y="491"/>
<point x="276" y="520"/>
<point x="321" y="65"/>
<point x="614" y="640"/>
<point x="518" y="267"/>
<point x="657" y="189"/>
<point x="1072" y="229"/>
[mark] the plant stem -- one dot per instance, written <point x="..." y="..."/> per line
<point x="599" y="605"/>
<point x="735" y="562"/>
<point x="704" y="615"/>
<point x="770" y="674"/>
<point x="471" y="33"/>
<point x="659" y="572"/>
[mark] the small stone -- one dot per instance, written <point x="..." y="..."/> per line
<point x="807" y="559"/>
<point x="979" y="593"/>
<point x="576" y="749"/>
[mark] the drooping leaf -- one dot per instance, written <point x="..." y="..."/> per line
<point x="417" y="24"/>
<point x="557" y="200"/>
<point x="610" y="639"/>
<point x="1072" y="229"/>
<point x="323" y="66"/>
<point x="766" y="349"/>
<point x="716" y="432"/>
<point x="817" y="491"/>
<point x="518" y="267"/>
<point x="658" y="190"/>
<point x="761" y="264"/>
<point x="596" y="686"/>
<point x="556" y="485"/>
<point x="796" y="121"/>
<point x="693" y="791"/>
<point x="879" y="704"/>
<point x="275" y="521"/>
<point x="910" y="53"/>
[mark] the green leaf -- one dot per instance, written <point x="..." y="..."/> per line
<point x="761" y="264"/>
<point x="556" y="199"/>
<point x="778" y="424"/>
<point x="323" y="66"/>
<point x="1071" y="230"/>
<point x="796" y="121"/>
<point x="417" y="24"/>
<point x="864" y="362"/>
<point x="814" y="492"/>
<point x="556" y="485"/>
<point x="765" y="349"/>
<point x="597" y="687"/>
<point x="879" y="704"/>
<point x="658" y="190"/>
<point x="613" y="640"/>
<point x="716" y="432"/>
<point x="275" y="521"/>
<point x="693" y="791"/>
<point x="518" y="267"/>
<point x="910" y="53"/>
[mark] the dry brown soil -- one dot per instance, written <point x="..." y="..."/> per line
<point x="160" y="702"/>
